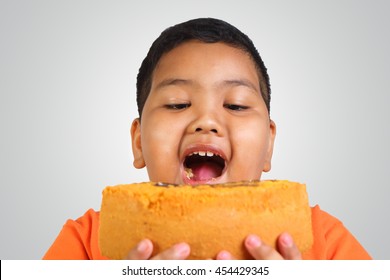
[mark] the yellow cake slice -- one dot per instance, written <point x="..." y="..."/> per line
<point x="210" y="218"/>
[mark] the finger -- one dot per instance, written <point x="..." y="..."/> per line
<point x="179" y="251"/>
<point x="142" y="251"/>
<point x="260" y="250"/>
<point x="288" y="248"/>
<point x="224" y="255"/>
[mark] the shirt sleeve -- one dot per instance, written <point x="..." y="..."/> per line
<point x="332" y="240"/>
<point x="78" y="240"/>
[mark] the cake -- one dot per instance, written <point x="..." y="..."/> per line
<point x="210" y="218"/>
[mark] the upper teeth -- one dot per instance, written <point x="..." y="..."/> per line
<point x="203" y="153"/>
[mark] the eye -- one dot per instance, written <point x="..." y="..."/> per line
<point x="179" y="106"/>
<point x="235" y="107"/>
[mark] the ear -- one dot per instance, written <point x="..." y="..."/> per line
<point x="135" y="132"/>
<point x="267" y="163"/>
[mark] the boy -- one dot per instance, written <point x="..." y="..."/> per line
<point x="203" y="97"/>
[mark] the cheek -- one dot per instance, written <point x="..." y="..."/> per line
<point x="252" y="143"/>
<point x="159" y="147"/>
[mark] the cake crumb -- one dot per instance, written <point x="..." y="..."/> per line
<point x="189" y="173"/>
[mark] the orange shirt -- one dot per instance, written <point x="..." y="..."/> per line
<point x="78" y="239"/>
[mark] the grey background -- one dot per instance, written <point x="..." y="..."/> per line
<point x="67" y="99"/>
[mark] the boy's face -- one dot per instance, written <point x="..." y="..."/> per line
<point x="204" y="120"/>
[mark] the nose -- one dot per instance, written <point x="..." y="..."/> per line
<point x="199" y="129"/>
<point x="206" y="123"/>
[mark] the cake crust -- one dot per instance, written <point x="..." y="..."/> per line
<point x="210" y="218"/>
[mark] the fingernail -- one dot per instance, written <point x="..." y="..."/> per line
<point x="181" y="249"/>
<point x="142" y="246"/>
<point x="287" y="240"/>
<point x="253" y="241"/>
<point x="224" y="255"/>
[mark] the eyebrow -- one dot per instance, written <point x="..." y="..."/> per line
<point x="173" y="82"/>
<point x="239" y="82"/>
<point x="225" y="83"/>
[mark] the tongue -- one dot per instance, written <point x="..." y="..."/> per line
<point x="206" y="171"/>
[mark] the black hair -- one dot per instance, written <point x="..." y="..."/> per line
<point x="207" y="30"/>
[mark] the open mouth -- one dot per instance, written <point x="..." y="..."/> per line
<point x="203" y="166"/>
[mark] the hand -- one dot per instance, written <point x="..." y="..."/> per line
<point x="144" y="250"/>
<point x="287" y="250"/>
